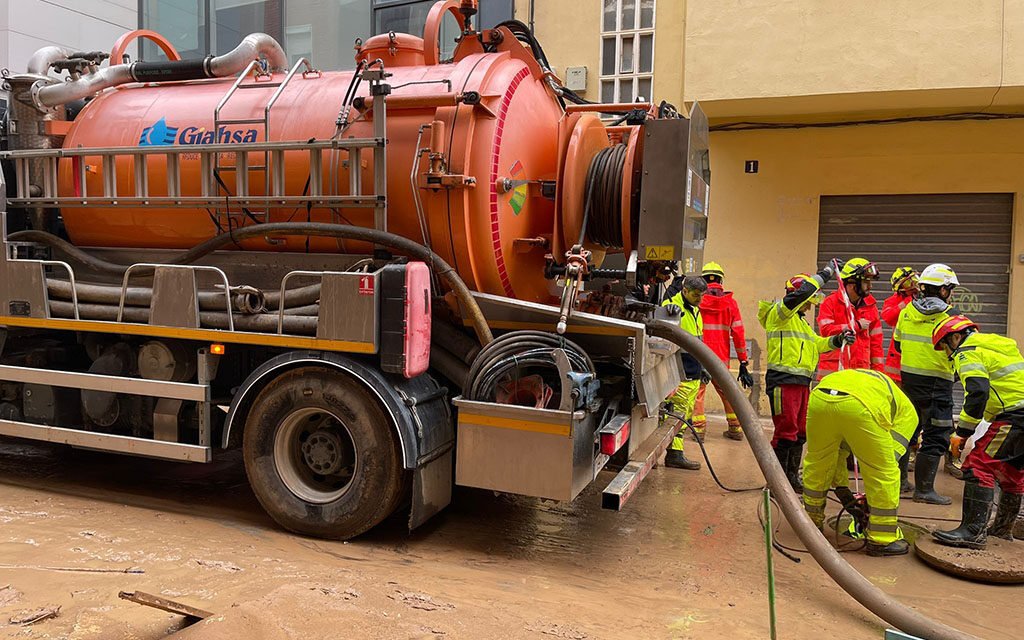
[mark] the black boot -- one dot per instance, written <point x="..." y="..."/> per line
<point x="924" y="480"/>
<point x="793" y="471"/>
<point x="675" y="459"/>
<point x="906" y="487"/>
<point x="973" y="522"/>
<point x="783" y="451"/>
<point x="895" y="548"/>
<point x="1006" y="515"/>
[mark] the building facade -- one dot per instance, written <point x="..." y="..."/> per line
<point x="81" y="25"/>
<point x="890" y="130"/>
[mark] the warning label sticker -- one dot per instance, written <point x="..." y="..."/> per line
<point x="659" y="252"/>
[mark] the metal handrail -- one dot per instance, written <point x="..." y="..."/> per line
<point x="223" y="276"/>
<point x="71" y="152"/>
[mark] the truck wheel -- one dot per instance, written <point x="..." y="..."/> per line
<point x="321" y="454"/>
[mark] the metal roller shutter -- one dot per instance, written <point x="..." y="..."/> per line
<point x="970" y="232"/>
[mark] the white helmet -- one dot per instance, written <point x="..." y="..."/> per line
<point x="938" y="275"/>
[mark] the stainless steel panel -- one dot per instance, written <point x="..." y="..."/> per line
<point x="23" y="289"/>
<point x="165" y="420"/>
<point x="348" y="308"/>
<point x="115" y="384"/>
<point x="175" y="298"/>
<point x="106" y="442"/>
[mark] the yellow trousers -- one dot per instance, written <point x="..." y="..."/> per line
<point x="682" y="402"/>
<point x="838" y="425"/>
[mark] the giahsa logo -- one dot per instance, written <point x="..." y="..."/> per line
<point x="159" y="134"/>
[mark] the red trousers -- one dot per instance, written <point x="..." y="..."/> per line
<point x="998" y="457"/>
<point x="789" y="412"/>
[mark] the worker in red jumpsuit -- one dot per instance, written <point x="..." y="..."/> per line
<point x="905" y="289"/>
<point x="722" y="321"/>
<point x="834" y="317"/>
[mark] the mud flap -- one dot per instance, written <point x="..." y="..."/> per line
<point x="431" y="486"/>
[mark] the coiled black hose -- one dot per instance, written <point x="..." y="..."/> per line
<point x="602" y="220"/>
<point x="515" y="350"/>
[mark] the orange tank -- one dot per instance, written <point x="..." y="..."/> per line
<point x="489" y="232"/>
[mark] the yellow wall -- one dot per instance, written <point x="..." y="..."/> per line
<point x="765" y="49"/>
<point x="763" y="227"/>
<point x="570" y="32"/>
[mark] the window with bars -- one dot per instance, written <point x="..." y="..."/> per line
<point x="627" y="50"/>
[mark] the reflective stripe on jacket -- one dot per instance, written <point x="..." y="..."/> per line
<point x="722" y="321"/>
<point x="992" y="371"/>
<point x="913" y="332"/>
<point x="834" y="318"/>
<point x="793" y="347"/>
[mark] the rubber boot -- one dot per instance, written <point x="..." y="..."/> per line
<point x="676" y="459"/>
<point x="906" y="487"/>
<point x="1006" y="516"/>
<point x="924" y="480"/>
<point x="894" y="548"/>
<point x="974" y="522"/>
<point x="734" y="432"/>
<point x="793" y="470"/>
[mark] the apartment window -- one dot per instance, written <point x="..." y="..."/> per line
<point x="627" y="50"/>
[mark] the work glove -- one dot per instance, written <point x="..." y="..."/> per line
<point x="705" y="377"/>
<point x="745" y="379"/>
<point x="864" y="324"/>
<point x="852" y="506"/>
<point x="956" y="446"/>
<point x="673" y="310"/>
<point x="847" y="337"/>
<point x="829" y="270"/>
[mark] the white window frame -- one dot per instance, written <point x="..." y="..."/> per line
<point x="635" y="31"/>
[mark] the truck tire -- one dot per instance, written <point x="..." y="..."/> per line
<point x="321" y="454"/>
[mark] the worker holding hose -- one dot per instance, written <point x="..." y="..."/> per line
<point x="928" y="375"/>
<point x="991" y="369"/>
<point x="793" y="350"/>
<point x="683" y="302"/>
<point x="722" y="322"/>
<point x="862" y="412"/>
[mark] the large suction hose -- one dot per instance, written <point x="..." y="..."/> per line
<point x="320" y="229"/>
<point x="835" y="566"/>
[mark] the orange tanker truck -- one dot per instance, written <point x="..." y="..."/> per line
<point x="377" y="283"/>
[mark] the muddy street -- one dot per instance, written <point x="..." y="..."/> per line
<point x="684" y="559"/>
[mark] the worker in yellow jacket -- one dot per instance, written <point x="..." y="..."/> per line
<point x="927" y="375"/>
<point x="683" y="301"/>
<point x="991" y="369"/>
<point x="793" y="350"/>
<point x="862" y="412"/>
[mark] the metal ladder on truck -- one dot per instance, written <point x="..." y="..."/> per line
<point x="24" y="298"/>
<point x="241" y="165"/>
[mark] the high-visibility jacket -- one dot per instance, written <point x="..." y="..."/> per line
<point x="834" y="318"/>
<point x="793" y="347"/>
<point x="992" y="371"/>
<point x="891" y="309"/>
<point x="691" y="322"/>
<point x="722" y="320"/>
<point x="913" y="334"/>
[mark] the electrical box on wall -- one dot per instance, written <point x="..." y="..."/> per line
<point x="576" y="78"/>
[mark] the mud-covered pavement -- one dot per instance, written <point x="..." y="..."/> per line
<point x="682" y="560"/>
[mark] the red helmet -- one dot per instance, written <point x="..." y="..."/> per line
<point x="796" y="282"/>
<point x="951" y="325"/>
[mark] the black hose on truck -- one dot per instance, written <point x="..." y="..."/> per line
<point x="851" y="581"/>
